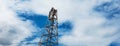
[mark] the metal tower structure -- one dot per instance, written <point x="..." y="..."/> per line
<point x="50" y="35"/>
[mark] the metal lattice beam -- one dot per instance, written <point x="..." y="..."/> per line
<point x="50" y="36"/>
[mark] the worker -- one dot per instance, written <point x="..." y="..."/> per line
<point x="52" y="15"/>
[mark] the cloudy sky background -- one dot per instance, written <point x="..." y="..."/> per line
<point x="81" y="22"/>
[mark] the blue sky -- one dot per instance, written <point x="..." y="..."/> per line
<point x="81" y="22"/>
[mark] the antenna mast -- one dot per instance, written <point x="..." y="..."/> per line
<point x="50" y="35"/>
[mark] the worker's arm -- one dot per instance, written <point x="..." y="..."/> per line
<point x="49" y="14"/>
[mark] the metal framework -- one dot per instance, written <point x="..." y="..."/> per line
<point x="50" y="35"/>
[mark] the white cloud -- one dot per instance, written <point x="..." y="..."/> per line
<point x="12" y="29"/>
<point x="88" y="25"/>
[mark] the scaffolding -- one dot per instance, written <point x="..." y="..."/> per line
<point x="50" y="35"/>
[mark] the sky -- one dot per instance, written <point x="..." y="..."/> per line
<point x="80" y="22"/>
